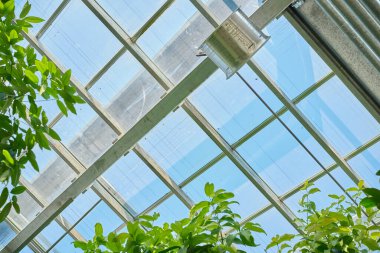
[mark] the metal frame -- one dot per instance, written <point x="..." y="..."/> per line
<point x="174" y="97"/>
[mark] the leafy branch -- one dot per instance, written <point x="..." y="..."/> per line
<point x="24" y="77"/>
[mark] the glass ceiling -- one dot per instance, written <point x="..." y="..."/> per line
<point x="123" y="86"/>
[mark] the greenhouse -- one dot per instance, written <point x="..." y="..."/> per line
<point x="147" y="106"/>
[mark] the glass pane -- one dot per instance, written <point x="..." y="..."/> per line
<point x="50" y="235"/>
<point x="272" y="153"/>
<point x="66" y="245"/>
<point x="80" y="134"/>
<point x="172" y="41"/>
<point x="225" y="175"/>
<point x="29" y="210"/>
<point x="230" y="106"/>
<point x="170" y="210"/>
<point x="79" y="207"/>
<point x="179" y="146"/>
<point x="289" y="60"/>
<point x="7" y="234"/>
<point x="135" y="182"/>
<point x="367" y="164"/>
<point x="339" y="116"/>
<point x="100" y="214"/>
<point x="131" y="15"/>
<point x="80" y="41"/>
<point x="127" y="90"/>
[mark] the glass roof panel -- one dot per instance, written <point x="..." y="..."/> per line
<point x="367" y="164"/>
<point x="179" y="146"/>
<point x="127" y="90"/>
<point x="100" y="214"/>
<point x="50" y="235"/>
<point x="164" y="29"/>
<point x="230" y="106"/>
<point x="170" y="210"/>
<point x="131" y="15"/>
<point x="80" y="41"/>
<point x="289" y="60"/>
<point x="66" y="245"/>
<point x="7" y="234"/>
<point x="29" y="210"/>
<point x="135" y="182"/>
<point x="339" y="116"/>
<point x="272" y="153"/>
<point x="79" y="133"/>
<point x="225" y="175"/>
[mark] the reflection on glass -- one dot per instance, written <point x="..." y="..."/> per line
<point x="289" y="60"/>
<point x="339" y="116"/>
<point x="179" y="146"/>
<point x="80" y="133"/>
<point x="226" y="176"/>
<point x="80" y="41"/>
<point x="135" y="182"/>
<point x="127" y="90"/>
<point x="29" y="210"/>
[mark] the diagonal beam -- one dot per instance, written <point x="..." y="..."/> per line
<point x="124" y="143"/>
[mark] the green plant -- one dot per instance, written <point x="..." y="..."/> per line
<point x="23" y="81"/>
<point x="372" y="198"/>
<point x="340" y="228"/>
<point x="203" y="231"/>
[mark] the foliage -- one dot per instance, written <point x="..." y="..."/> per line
<point x="203" y="231"/>
<point x="342" y="227"/>
<point x="24" y="80"/>
<point x="373" y="197"/>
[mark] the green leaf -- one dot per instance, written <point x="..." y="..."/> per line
<point x="6" y="210"/>
<point x="16" y="207"/>
<point x="66" y="78"/>
<point x="62" y="107"/>
<point x="31" y="76"/>
<point x="254" y="227"/>
<point x="368" y="202"/>
<point x="314" y="190"/>
<point x="98" y="229"/>
<point x="53" y="134"/>
<point x="209" y="190"/>
<point x="4" y="196"/>
<point x="18" y="190"/>
<point x="80" y="245"/>
<point x="25" y="9"/>
<point x="8" y="156"/>
<point x="33" y="19"/>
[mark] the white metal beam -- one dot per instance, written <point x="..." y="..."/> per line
<point x="125" y="142"/>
